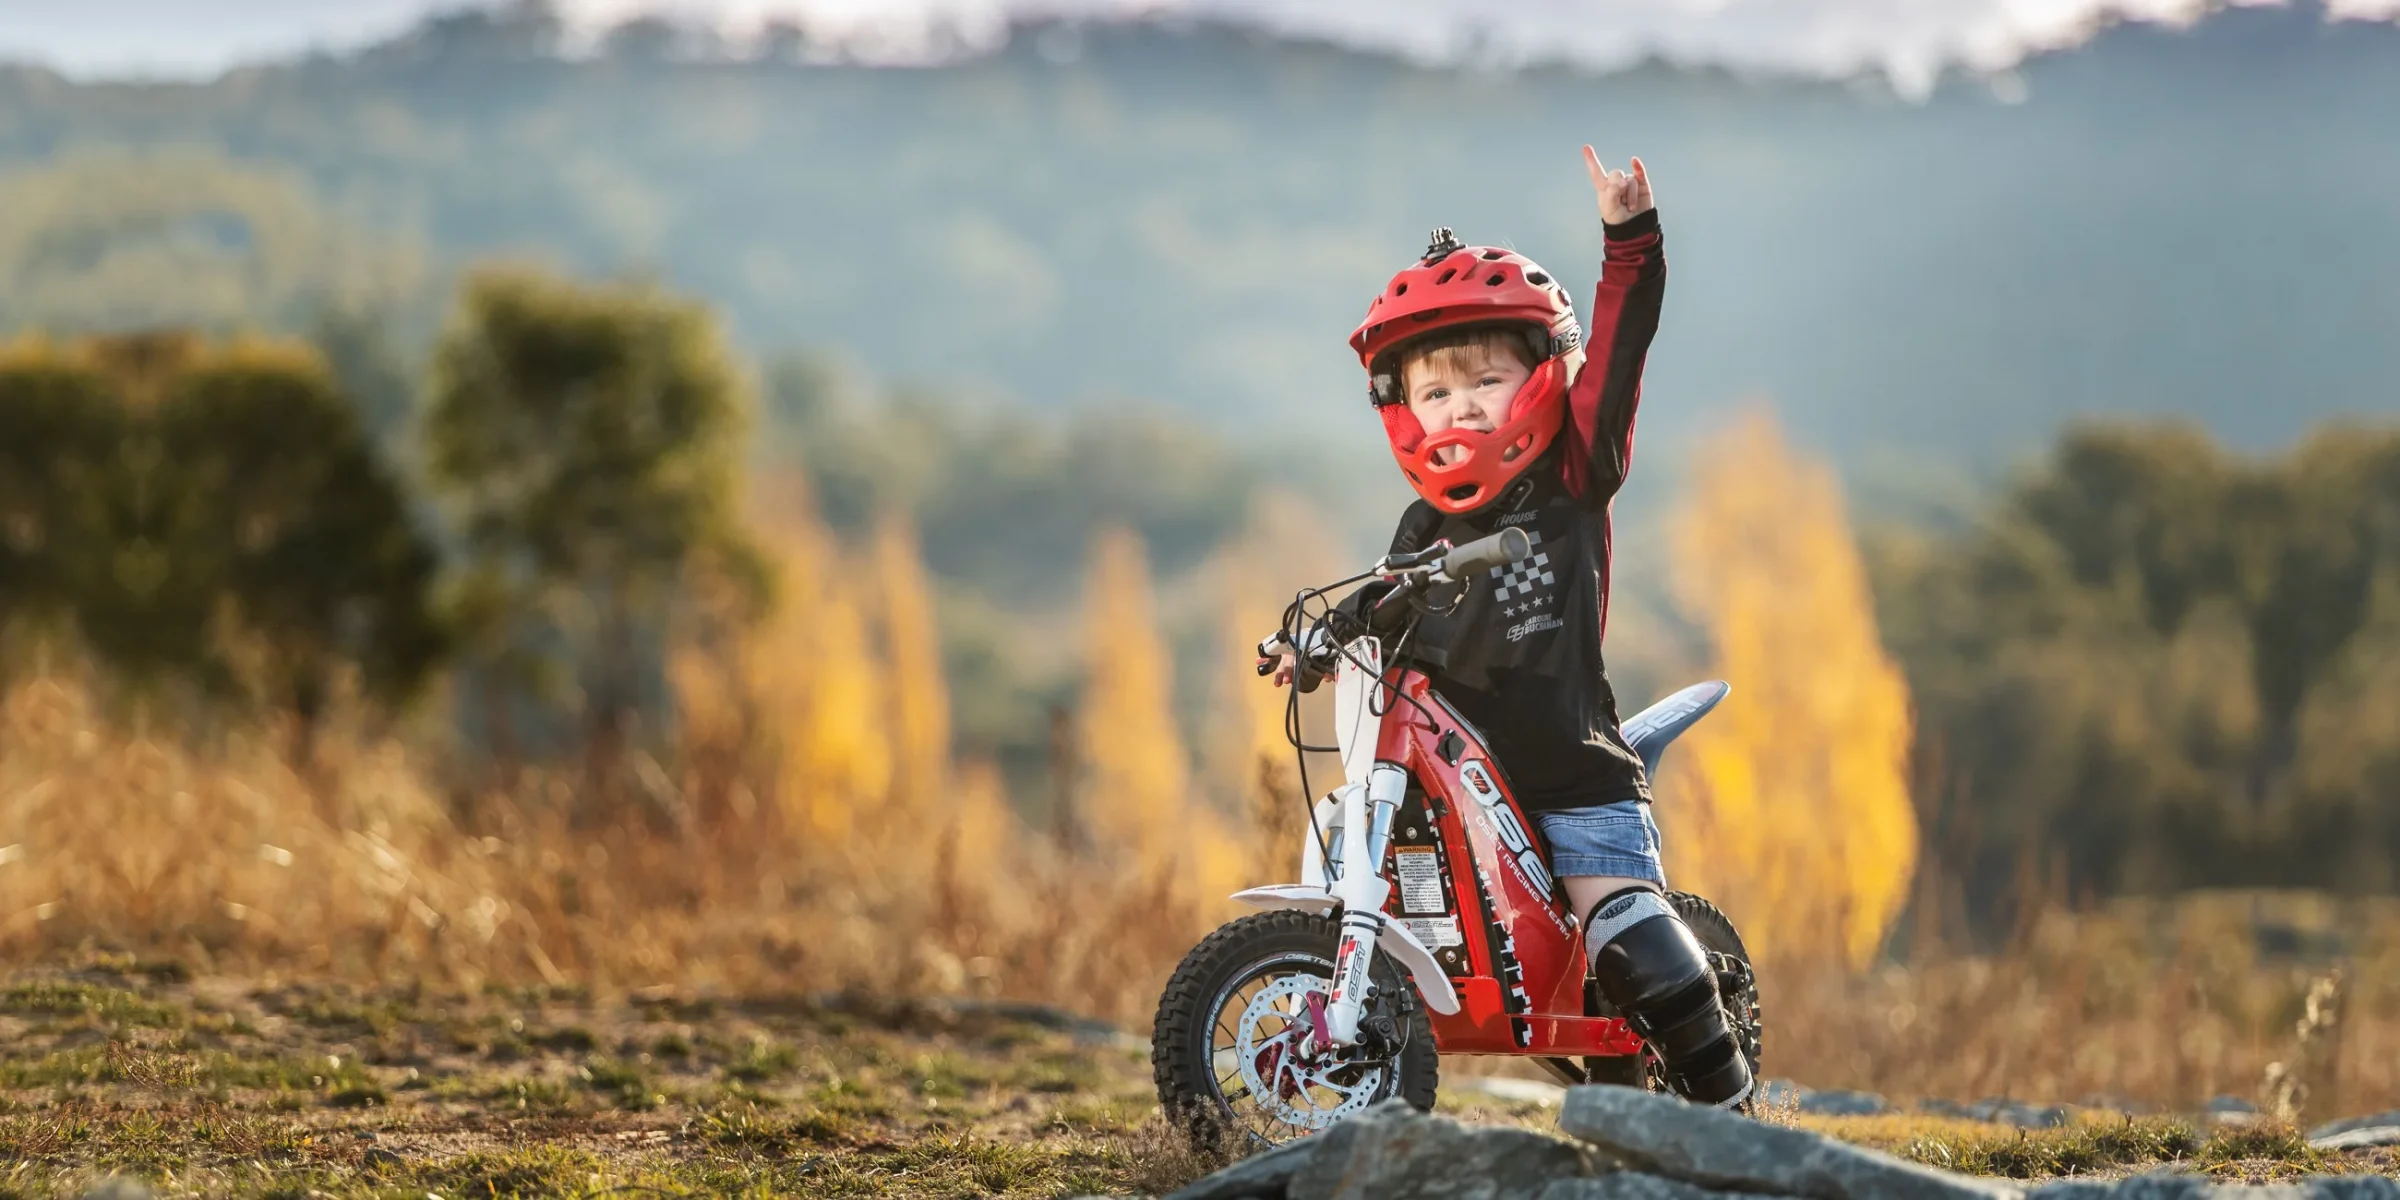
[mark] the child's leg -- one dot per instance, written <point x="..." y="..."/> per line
<point x="1585" y="892"/>
<point x="1642" y="955"/>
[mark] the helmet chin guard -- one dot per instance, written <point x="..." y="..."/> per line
<point x="1456" y="285"/>
<point x="1481" y="464"/>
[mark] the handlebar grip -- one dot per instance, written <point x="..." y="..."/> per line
<point x="1483" y="554"/>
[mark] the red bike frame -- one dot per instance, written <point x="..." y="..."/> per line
<point x="1518" y="963"/>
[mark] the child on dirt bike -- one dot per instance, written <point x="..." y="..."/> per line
<point x="1501" y="414"/>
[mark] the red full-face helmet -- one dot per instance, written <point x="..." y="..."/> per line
<point x="1455" y="286"/>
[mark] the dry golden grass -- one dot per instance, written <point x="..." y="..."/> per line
<point x="227" y="862"/>
<point x="2164" y="1004"/>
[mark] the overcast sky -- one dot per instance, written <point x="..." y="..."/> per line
<point x="198" y="37"/>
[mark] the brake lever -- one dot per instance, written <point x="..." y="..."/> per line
<point x="1397" y="564"/>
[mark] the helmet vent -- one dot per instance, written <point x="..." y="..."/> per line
<point x="1399" y="289"/>
<point x="1495" y="280"/>
<point x="1448" y="275"/>
<point x="1537" y="279"/>
<point x="1492" y="254"/>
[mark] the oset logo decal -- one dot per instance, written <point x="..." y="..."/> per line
<point x="1504" y="818"/>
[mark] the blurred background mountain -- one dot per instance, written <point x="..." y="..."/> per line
<point x="2195" y="221"/>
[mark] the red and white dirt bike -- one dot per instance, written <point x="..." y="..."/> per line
<point x="1345" y="992"/>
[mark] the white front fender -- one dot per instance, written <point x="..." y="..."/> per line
<point x="1393" y="939"/>
<point x="1291" y="895"/>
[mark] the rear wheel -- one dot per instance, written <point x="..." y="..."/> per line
<point x="1737" y="986"/>
<point x="1230" y="1049"/>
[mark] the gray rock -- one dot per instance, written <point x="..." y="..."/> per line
<point x="2353" y="1187"/>
<point x="1268" y="1176"/>
<point x="1715" y="1149"/>
<point x="2259" y="1191"/>
<point x="1398" y="1153"/>
<point x="1842" y="1104"/>
<point x="2000" y="1110"/>
<point x="2346" y="1124"/>
<point x="2359" y="1139"/>
<point x="2164" y="1186"/>
<point x="1630" y="1185"/>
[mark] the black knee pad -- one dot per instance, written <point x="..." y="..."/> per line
<point x="1649" y="965"/>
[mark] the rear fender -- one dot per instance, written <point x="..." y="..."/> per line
<point x="1393" y="938"/>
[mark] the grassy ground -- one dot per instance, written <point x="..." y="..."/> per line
<point x="216" y="1087"/>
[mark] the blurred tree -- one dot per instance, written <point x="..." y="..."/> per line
<point x="106" y="240"/>
<point x="1796" y="814"/>
<point x="780" y="40"/>
<point x="320" y="562"/>
<point x="2155" y="666"/>
<point x="1137" y="802"/>
<point x="1004" y="497"/>
<point x="200" y="510"/>
<point x="647" y="40"/>
<point x="357" y="345"/>
<point x="588" y="437"/>
<point x="511" y="31"/>
<point x="149" y="615"/>
<point x="60" y="429"/>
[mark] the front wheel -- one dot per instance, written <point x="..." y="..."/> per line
<point x="1229" y="1049"/>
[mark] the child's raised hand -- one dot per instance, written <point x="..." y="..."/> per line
<point x="1624" y="195"/>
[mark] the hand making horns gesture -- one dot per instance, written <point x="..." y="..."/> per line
<point x="1623" y="195"/>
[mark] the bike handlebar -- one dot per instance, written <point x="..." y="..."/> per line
<point x="1483" y="554"/>
<point x="1448" y="563"/>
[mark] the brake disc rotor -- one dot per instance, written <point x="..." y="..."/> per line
<point x="1303" y="1093"/>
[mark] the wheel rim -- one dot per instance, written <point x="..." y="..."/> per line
<point x="1265" y="1075"/>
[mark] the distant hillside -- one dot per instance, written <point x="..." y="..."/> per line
<point x="2202" y="221"/>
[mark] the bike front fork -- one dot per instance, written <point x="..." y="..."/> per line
<point x="1362" y="889"/>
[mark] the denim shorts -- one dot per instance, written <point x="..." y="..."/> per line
<point x="1607" y="839"/>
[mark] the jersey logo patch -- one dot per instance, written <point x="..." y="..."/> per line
<point x="1516" y="593"/>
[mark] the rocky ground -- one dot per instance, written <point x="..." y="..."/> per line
<point x="1622" y="1144"/>
<point x="213" y="1087"/>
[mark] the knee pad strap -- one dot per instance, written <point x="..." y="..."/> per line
<point x="1618" y="912"/>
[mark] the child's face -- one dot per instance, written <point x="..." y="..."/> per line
<point x="1464" y="387"/>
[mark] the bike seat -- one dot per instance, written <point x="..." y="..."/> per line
<point x="1649" y="730"/>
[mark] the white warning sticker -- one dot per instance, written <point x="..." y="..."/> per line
<point x="1420" y="874"/>
<point x="1435" y="932"/>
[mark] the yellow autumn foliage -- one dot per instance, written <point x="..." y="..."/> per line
<point x="918" y="696"/>
<point x="1284" y="546"/>
<point x="813" y="673"/>
<point x="1790" y="804"/>
<point x="1140" y="802"/>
